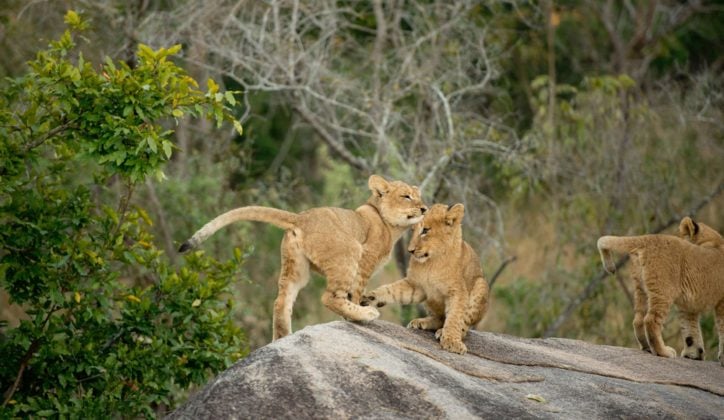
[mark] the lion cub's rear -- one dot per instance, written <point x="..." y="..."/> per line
<point x="445" y="274"/>
<point x="668" y="270"/>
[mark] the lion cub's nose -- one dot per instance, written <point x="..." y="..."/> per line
<point x="423" y="210"/>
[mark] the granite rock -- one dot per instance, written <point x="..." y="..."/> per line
<point x="381" y="370"/>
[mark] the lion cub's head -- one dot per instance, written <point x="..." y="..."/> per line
<point x="699" y="233"/>
<point x="399" y="204"/>
<point x="439" y="231"/>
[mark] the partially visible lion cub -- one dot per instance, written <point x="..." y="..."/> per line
<point x="445" y="274"/>
<point x="345" y="246"/>
<point x="688" y="272"/>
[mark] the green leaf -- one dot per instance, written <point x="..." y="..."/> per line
<point x="238" y="127"/>
<point x="145" y="52"/>
<point x="174" y="49"/>
<point x="167" y="148"/>
<point x="213" y="87"/>
<point x="152" y="144"/>
<point x="230" y="98"/>
<point x="72" y="18"/>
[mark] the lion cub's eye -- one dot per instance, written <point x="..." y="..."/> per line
<point x="424" y="231"/>
<point x="407" y="197"/>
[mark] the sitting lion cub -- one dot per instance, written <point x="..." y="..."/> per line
<point x="688" y="272"/>
<point x="444" y="273"/>
<point x="345" y="246"/>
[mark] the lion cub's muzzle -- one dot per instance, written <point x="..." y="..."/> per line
<point x="415" y="214"/>
<point x="418" y="254"/>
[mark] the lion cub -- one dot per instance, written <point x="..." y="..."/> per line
<point x="345" y="246"/>
<point x="667" y="270"/>
<point x="445" y="273"/>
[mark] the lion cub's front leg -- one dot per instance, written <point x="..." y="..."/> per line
<point x="401" y="291"/>
<point x="433" y="323"/>
<point x="691" y="332"/>
<point x="451" y="336"/>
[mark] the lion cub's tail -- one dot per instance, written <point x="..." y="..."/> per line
<point x="621" y="244"/>
<point x="276" y="217"/>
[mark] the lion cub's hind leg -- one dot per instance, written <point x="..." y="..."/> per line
<point x="640" y="308"/>
<point x="293" y="277"/>
<point x="477" y="304"/>
<point x="653" y="322"/>
<point x="691" y="332"/>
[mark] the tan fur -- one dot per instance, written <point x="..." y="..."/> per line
<point x="445" y="274"/>
<point x="667" y="270"/>
<point x="345" y="246"/>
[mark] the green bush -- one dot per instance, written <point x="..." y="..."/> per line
<point x="113" y="327"/>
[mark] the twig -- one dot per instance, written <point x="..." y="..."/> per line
<point x="40" y="140"/>
<point x="595" y="281"/>
<point x="26" y="360"/>
<point x="338" y="147"/>
<point x="500" y="269"/>
<point x="122" y="208"/>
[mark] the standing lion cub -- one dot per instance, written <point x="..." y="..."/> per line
<point x="445" y="274"/>
<point x="668" y="270"/>
<point x="345" y="246"/>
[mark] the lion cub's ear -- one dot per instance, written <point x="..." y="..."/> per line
<point x="455" y="214"/>
<point x="688" y="228"/>
<point x="378" y="185"/>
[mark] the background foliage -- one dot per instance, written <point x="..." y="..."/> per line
<point x="111" y="325"/>
<point x="553" y="122"/>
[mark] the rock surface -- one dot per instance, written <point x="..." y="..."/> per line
<point x="381" y="370"/>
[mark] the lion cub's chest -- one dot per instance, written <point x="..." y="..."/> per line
<point x="437" y="282"/>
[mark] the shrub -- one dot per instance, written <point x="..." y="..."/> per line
<point x="112" y="326"/>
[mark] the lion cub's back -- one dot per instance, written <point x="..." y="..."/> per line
<point x="704" y="277"/>
<point x="471" y="265"/>
<point x="333" y="222"/>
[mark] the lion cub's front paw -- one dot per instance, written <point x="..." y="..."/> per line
<point x="417" y="323"/>
<point x="422" y="324"/>
<point x="368" y="314"/>
<point x="371" y="299"/>
<point x="668" y="352"/>
<point x="453" y="345"/>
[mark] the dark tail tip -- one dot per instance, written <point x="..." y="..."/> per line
<point x="184" y="247"/>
